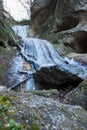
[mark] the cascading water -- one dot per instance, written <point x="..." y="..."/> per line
<point x="22" y="32"/>
<point x="44" y="59"/>
<point x="41" y="54"/>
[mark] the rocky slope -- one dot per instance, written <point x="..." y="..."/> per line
<point x="42" y="112"/>
<point x="7" y="37"/>
<point x="64" y="23"/>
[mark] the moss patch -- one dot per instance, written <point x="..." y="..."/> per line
<point x="6" y="54"/>
<point x="5" y="31"/>
<point x="35" y="127"/>
<point x="52" y="37"/>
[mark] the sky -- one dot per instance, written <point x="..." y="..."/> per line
<point x="17" y="11"/>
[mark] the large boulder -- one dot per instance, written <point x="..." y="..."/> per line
<point x="78" y="96"/>
<point x="32" y="111"/>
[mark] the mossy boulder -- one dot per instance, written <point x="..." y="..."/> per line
<point x="7" y="35"/>
<point x="6" y="55"/>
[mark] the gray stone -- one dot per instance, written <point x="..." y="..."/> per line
<point x="70" y="24"/>
<point x="46" y="113"/>
<point x="78" y="96"/>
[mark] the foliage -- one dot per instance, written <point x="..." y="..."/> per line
<point x="14" y="125"/>
<point x="5" y="102"/>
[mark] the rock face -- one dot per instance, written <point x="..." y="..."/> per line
<point x="81" y="58"/>
<point x="40" y="10"/>
<point x="7" y="37"/>
<point x="69" y="26"/>
<point x="70" y="13"/>
<point x="40" y="113"/>
<point x="78" y="96"/>
<point x="38" y="5"/>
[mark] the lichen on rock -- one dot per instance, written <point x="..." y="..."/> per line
<point x="40" y="113"/>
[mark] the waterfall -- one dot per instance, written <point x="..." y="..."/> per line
<point x="41" y="54"/>
<point x="43" y="58"/>
<point x="21" y="31"/>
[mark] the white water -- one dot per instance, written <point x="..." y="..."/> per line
<point x="21" y="31"/>
<point x="13" y="75"/>
<point x="44" y="54"/>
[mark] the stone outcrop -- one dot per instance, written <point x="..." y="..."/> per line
<point x="78" y="96"/>
<point x="41" y="112"/>
<point x="40" y="10"/>
<point x="68" y="25"/>
<point x="80" y="58"/>
<point x="7" y="37"/>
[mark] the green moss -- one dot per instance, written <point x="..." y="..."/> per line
<point x="6" y="33"/>
<point x="63" y="109"/>
<point x="35" y="127"/>
<point x="5" y="100"/>
<point x="6" y="54"/>
<point x="81" y="119"/>
<point x="52" y="37"/>
<point x="5" y="103"/>
<point x="13" y="125"/>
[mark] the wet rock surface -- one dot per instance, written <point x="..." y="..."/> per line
<point x="81" y="58"/>
<point x="41" y="112"/>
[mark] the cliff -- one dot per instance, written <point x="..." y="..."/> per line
<point x="61" y="22"/>
<point x="7" y="37"/>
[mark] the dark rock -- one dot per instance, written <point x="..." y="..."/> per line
<point x="38" y="5"/>
<point x="69" y="25"/>
<point x="78" y="96"/>
<point x="40" y="12"/>
<point x="57" y="75"/>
